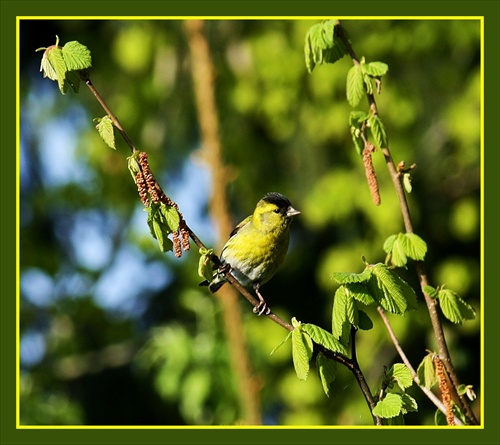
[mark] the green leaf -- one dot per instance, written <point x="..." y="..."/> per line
<point x="414" y="246"/>
<point x="376" y="69"/>
<point x="133" y="165"/>
<point x="429" y="290"/>
<point x="158" y="227"/>
<point x="401" y="374"/>
<point x="398" y="255"/>
<point x="405" y="245"/>
<point x="327" y="369"/>
<point x="348" y="277"/>
<point x="359" y="292"/>
<point x="339" y="314"/>
<point x="106" y="129"/>
<point x="389" y="243"/>
<point x="389" y="407"/>
<point x="378" y="131"/>
<point x="309" y="54"/>
<point x="46" y="68"/>
<point x="170" y="216"/>
<point x="56" y="61"/>
<point x="355" y="85"/>
<point x="205" y="264"/>
<point x="301" y="353"/>
<point x="76" y="56"/>
<point x="322" y="45"/>
<point x="158" y="233"/>
<point x="426" y="372"/>
<point x="407" y="182"/>
<point x="324" y="338"/>
<point x="454" y="308"/>
<point x="352" y="311"/>
<point x="409" y="404"/>
<point x="390" y="290"/>
<point x="365" y="322"/>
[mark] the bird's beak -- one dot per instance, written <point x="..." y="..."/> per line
<point x="291" y="211"/>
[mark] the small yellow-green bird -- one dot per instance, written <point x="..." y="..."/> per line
<point x="257" y="247"/>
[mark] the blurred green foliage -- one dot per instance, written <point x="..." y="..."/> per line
<point x="115" y="332"/>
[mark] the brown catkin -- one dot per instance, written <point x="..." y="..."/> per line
<point x="445" y="391"/>
<point x="370" y="173"/>
<point x="177" y="244"/>
<point x="150" y="189"/>
<point x="142" y="188"/>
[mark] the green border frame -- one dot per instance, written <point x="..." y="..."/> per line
<point x="487" y="434"/>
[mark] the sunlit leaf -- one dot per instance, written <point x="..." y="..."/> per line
<point x="389" y="243"/>
<point x="205" y="264"/>
<point x="401" y="374"/>
<point x="429" y="290"/>
<point x="339" y="314"/>
<point x="392" y="292"/>
<point x="301" y="353"/>
<point x="171" y="217"/>
<point x="355" y="86"/>
<point x="398" y="255"/>
<point x="407" y="182"/>
<point x="378" y="131"/>
<point x="56" y="61"/>
<point x="389" y="407"/>
<point x="376" y="69"/>
<point x="454" y="308"/>
<point x="347" y="277"/>
<point x="76" y="56"/>
<point x="359" y="292"/>
<point x="414" y="246"/>
<point x="324" y="338"/>
<point x="322" y="45"/>
<point x="106" y="130"/>
<point x="426" y="372"/>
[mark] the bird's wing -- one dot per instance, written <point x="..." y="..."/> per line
<point x="240" y="225"/>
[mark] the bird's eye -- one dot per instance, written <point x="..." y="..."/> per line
<point x="276" y="210"/>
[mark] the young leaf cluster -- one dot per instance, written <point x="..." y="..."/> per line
<point x="322" y="45"/>
<point x="402" y="246"/>
<point x="377" y="284"/>
<point x="162" y="221"/>
<point x="65" y="63"/>
<point x="395" y="402"/>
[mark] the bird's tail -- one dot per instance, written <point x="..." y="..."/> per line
<point x="216" y="283"/>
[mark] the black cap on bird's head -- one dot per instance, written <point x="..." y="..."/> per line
<point x="283" y="203"/>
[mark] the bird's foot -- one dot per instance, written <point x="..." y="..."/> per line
<point x="262" y="308"/>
